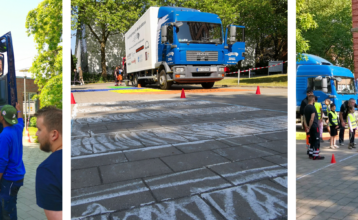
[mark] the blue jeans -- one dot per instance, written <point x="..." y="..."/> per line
<point x="8" y="195"/>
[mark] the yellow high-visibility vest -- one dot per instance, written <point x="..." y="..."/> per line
<point x="334" y="118"/>
<point x="318" y="107"/>
<point x="352" y="117"/>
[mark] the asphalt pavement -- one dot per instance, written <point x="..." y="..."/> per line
<point x="213" y="155"/>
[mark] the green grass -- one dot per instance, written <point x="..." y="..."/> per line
<point x="32" y="132"/>
<point x="279" y="80"/>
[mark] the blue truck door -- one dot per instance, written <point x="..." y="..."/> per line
<point x="6" y="44"/>
<point x="237" y="49"/>
<point x="8" y="89"/>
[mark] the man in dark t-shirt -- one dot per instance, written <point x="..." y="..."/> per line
<point x="49" y="173"/>
<point x="343" y="112"/>
<point x="311" y="125"/>
<point x="304" y="102"/>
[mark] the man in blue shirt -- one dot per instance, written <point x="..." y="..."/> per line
<point x="12" y="169"/>
<point x="49" y="173"/>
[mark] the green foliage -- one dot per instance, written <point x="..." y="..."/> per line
<point x="33" y="122"/>
<point x="104" y="18"/>
<point x="304" y="22"/>
<point x="51" y="94"/>
<point x="45" y="24"/>
<point x="332" y="39"/>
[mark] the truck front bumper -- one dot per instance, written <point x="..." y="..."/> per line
<point x="197" y="74"/>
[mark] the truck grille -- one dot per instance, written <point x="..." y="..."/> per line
<point x="201" y="56"/>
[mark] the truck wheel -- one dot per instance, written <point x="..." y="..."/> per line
<point x="163" y="83"/>
<point x="207" y="85"/>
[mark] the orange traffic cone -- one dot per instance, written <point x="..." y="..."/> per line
<point x="258" y="90"/>
<point x="139" y="86"/>
<point x="333" y="159"/>
<point x="72" y="99"/>
<point x="28" y="135"/>
<point x="182" y="94"/>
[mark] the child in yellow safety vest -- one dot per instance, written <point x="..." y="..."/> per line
<point x="333" y="123"/>
<point x="319" y="111"/>
<point x="352" y="125"/>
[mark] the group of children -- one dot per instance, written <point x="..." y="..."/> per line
<point x="333" y="123"/>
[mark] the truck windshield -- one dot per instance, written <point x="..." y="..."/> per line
<point x="345" y="86"/>
<point x="199" y="32"/>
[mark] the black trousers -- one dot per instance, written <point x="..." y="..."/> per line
<point x="351" y="136"/>
<point x="341" y="134"/>
<point x="314" y="141"/>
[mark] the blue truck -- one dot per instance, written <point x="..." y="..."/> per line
<point x="8" y="89"/>
<point x="327" y="81"/>
<point x="175" y="45"/>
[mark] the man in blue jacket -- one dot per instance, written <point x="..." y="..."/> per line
<point x="12" y="169"/>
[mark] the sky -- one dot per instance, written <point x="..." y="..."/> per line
<point x="13" y="18"/>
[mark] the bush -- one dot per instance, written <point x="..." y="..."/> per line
<point x="33" y="122"/>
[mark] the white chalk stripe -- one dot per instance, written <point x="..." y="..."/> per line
<point x="107" y="190"/>
<point x="166" y="185"/>
<point x="173" y="174"/>
<point x="95" y="155"/>
<point x="250" y="170"/>
<point x="106" y="196"/>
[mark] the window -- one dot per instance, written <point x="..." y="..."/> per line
<point x="345" y="86"/>
<point x="170" y="34"/>
<point x="317" y="85"/>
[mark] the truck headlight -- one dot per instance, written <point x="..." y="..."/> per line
<point x="179" y="69"/>
<point x="221" y="69"/>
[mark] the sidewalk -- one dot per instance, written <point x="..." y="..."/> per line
<point x="325" y="190"/>
<point x="27" y="208"/>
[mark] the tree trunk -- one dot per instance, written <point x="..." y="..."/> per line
<point x="103" y="60"/>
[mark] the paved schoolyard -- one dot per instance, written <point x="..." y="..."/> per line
<point x="326" y="190"/>
<point x="209" y="156"/>
<point x="27" y="208"/>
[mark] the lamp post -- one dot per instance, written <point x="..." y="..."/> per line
<point x="25" y="100"/>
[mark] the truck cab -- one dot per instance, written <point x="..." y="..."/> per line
<point x="327" y="81"/>
<point x="8" y="89"/>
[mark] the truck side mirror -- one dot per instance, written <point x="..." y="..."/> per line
<point x="164" y="33"/>
<point x="339" y="79"/>
<point x="2" y="65"/>
<point x="318" y="78"/>
<point x="324" y="85"/>
<point x="232" y="34"/>
<point x="178" y="24"/>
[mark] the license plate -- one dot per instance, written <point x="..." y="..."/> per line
<point x="203" y="69"/>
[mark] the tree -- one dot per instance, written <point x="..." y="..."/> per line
<point x="105" y="18"/>
<point x="304" y="22"/>
<point x="335" y="41"/>
<point x="45" y="24"/>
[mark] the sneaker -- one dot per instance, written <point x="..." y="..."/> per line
<point x="354" y="146"/>
<point x="341" y="143"/>
<point x="332" y="147"/>
<point x="318" y="158"/>
<point x="336" y="146"/>
<point x="350" y="147"/>
<point x="310" y="157"/>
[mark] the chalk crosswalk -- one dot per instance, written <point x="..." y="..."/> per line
<point x="213" y="158"/>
